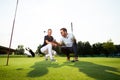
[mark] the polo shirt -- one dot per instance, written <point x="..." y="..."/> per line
<point x="68" y="40"/>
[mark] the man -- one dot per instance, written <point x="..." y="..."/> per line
<point x="47" y="46"/>
<point x="68" y="43"/>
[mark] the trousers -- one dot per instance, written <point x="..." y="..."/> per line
<point x="68" y="50"/>
<point x="47" y="49"/>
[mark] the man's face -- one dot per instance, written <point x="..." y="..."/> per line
<point x="49" y="32"/>
<point x="63" y="33"/>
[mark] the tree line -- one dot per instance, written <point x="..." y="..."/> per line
<point x="97" y="49"/>
<point x="85" y="49"/>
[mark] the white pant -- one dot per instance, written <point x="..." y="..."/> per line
<point x="53" y="53"/>
<point x="48" y="51"/>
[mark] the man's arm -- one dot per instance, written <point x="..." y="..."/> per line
<point x="54" y="43"/>
<point x="47" y="41"/>
<point x="57" y="43"/>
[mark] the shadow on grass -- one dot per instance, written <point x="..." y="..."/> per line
<point x="41" y="68"/>
<point x="96" y="71"/>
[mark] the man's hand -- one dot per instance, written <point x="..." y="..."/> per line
<point x="56" y="43"/>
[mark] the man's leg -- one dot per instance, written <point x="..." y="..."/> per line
<point x="48" y="48"/>
<point x="66" y="51"/>
<point x="54" y="53"/>
<point x="50" y="51"/>
<point x="75" y="52"/>
<point x="46" y="56"/>
<point x="44" y="50"/>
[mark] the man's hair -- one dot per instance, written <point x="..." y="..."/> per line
<point x="50" y="29"/>
<point x="64" y="29"/>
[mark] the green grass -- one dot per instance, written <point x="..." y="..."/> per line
<point x="24" y="68"/>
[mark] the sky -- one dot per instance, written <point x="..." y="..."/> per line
<point x="93" y="20"/>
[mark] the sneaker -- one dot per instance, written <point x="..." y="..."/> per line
<point x="74" y="60"/>
<point x="53" y="60"/>
<point x="46" y="59"/>
<point x="68" y="60"/>
<point x="54" y="52"/>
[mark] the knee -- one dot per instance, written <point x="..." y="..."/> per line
<point x="50" y="45"/>
<point x="41" y="50"/>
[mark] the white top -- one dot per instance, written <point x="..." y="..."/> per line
<point x="68" y="40"/>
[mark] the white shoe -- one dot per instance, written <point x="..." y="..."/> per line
<point x="54" y="52"/>
<point x="46" y="57"/>
<point x="53" y="60"/>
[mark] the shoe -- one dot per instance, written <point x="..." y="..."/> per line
<point x="53" y="60"/>
<point x="74" y="60"/>
<point x="68" y="60"/>
<point x="46" y="59"/>
<point x="54" y="52"/>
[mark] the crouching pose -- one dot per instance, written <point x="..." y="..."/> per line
<point x="68" y="43"/>
<point x="47" y="46"/>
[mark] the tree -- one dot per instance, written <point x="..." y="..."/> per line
<point x="97" y="48"/>
<point x="20" y="50"/>
<point x="117" y="51"/>
<point x="38" y="49"/>
<point x="80" y="48"/>
<point x="87" y="48"/>
<point x="84" y="48"/>
<point x="108" y="48"/>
